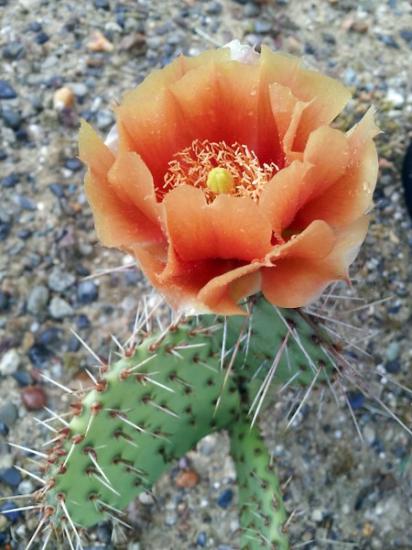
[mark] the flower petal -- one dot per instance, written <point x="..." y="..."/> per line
<point x="324" y="161"/>
<point x="151" y="116"/>
<point x="297" y="280"/>
<point x="327" y="96"/>
<point x="223" y="293"/>
<point x="351" y="196"/>
<point x="133" y="183"/>
<point x="92" y="150"/>
<point x="118" y="222"/>
<point x="315" y="242"/>
<point x="230" y="227"/>
<point x="229" y="101"/>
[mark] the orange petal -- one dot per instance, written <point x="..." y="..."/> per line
<point x="324" y="161"/>
<point x="222" y="294"/>
<point x="229" y="101"/>
<point x="151" y="117"/>
<point x="133" y="183"/>
<point x="92" y="150"/>
<point x="326" y="96"/>
<point x="117" y="224"/>
<point x="283" y="196"/>
<point x="351" y="196"/>
<point x="296" y="281"/>
<point x="315" y="242"/>
<point x="230" y="227"/>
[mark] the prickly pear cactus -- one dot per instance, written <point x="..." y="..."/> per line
<point x="155" y="403"/>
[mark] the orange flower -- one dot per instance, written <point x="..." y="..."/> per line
<point x="223" y="177"/>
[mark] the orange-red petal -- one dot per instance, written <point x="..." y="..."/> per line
<point x="118" y="221"/>
<point x="297" y="280"/>
<point x="133" y="183"/>
<point x="229" y="228"/>
<point x="326" y="96"/>
<point x="351" y="196"/>
<point x="324" y="161"/>
<point x="223" y="293"/>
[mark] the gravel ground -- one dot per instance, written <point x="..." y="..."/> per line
<point x="346" y="494"/>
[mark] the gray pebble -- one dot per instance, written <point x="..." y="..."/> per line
<point x="60" y="280"/>
<point x="104" y="120"/>
<point x="392" y="351"/>
<point x="59" y="308"/>
<point x="9" y="362"/>
<point x="214" y="8"/>
<point x="9" y="413"/>
<point x="37" y="299"/>
<point x="251" y="10"/>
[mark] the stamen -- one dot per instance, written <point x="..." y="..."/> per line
<point x="243" y="174"/>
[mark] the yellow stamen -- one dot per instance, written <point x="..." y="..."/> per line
<point x="220" y="180"/>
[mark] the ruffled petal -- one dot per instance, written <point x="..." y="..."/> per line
<point x="117" y="224"/>
<point x="230" y="227"/>
<point x="298" y="279"/>
<point x="133" y="183"/>
<point x="315" y="242"/>
<point x="93" y="152"/>
<point x="151" y="116"/>
<point x="325" y="96"/>
<point x="351" y="196"/>
<point x="223" y="293"/>
<point x="324" y="161"/>
<point x="118" y="221"/>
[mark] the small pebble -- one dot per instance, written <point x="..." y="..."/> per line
<point x="9" y="181"/>
<point x="57" y="189"/>
<point x="63" y="98"/>
<point x="23" y="378"/>
<point x="99" y="43"/>
<point x="41" y="38"/>
<point x="33" y="398"/>
<point x="59" y="280"/>
<point x="37" y="300"/>
<point x="4" y="429"/>
<point x="356" y="399"/>
<point x="102" y="4"/>
<point x="4" y="301"/>
<point x="201" y="539"/>
<point x="87" y="292"/>
<point x="187" y="479"/>
<point x="393" y="367"/>
<point x="225" y="499"/>
<point x="11" y="118"/>
<point x="13" y="50"/>
<point x="39" y="355"/>
<point x="9" y="413"/>
<point x="9" y="362"/>
<point x="59" y="308"/>
<point x="6" y="90"/>
<point x="82" y="321"/>
<point x="73" y="164"/>
<point x="11" y="516"/>
<point x="11" y="477"/>
<point x="392" y="351"/>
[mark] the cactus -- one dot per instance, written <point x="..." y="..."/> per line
<point x="155" y="403"/>
<point x="262" y="513"/>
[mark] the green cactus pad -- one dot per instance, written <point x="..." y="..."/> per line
<point x="149" y="408"/>
<point x="148" y="411"/>
<point x="261" y="510"/>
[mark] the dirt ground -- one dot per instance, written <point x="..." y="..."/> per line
<point x="346" y="491"/>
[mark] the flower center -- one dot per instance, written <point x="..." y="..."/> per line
<point x="217" y="168"/>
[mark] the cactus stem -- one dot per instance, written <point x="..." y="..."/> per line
<point x="262" y="512"/>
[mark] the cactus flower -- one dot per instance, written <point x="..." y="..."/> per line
<point x="224" y="177"/>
